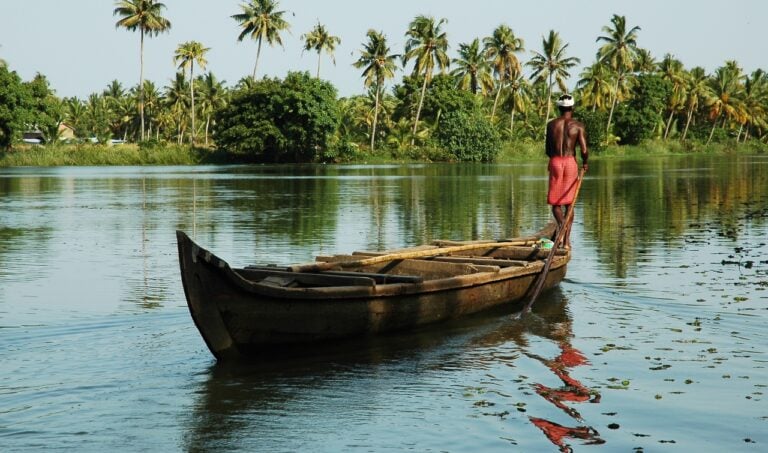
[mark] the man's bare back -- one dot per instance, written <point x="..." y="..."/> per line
<point x="563" y="134"/>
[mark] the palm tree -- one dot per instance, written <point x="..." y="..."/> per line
<point x="152" y="106"/>
<point x="595" y="86"/>
<point x="379" y="66"/>
<point x="473" y="72"/>
<point x="697" y="89"/>
<point x="500" y="49"/>
<point x="755" y="100"/>
<point x="672" y="70"/>
<point x="427" y="45"/>
<point x="644" y="61"/>
<point x="519" y="98"/>
<point x="260" y="20"/>
<point x="213" y="97"/>
<point x="145" y="16"/>
<point x="619" y="52"/>
<point x="726" y="88"/>
<point x="75" y="113"/>
<point x="552" y="63"/>
<point x="318" y="40"/>
<point x="186" y="55"/>
<point x="177" y="103"/>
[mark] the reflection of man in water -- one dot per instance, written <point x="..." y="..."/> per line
<point x="563" y="135"/>
<point x="572" y="391"/>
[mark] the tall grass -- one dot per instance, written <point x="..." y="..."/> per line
<point x="168" y="154"/>
<point x="98" y="155"/>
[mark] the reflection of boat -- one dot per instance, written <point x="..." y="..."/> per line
<point x="258" y="309"/>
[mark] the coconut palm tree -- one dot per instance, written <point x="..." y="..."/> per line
<point x="213" y="96"/>
<point x="500" y="48"/>
<point x="672" y="70"/>
<point x="618" y="52"/>
<point x="177" y="103"/>
<point x="379" y="65"/>
<point x="146" y="17"/>
<point x="260" y="20"/>
<point x="318" y="39"/>
<point x="755" y="101"/>
<point x="518" y="98"/>
<point x="644" y="62"/>
<point x="726" y="88"/>
<point x="595" y="86"/>
<point x="186" y="55"/>
<point x="697" y="89"/>
<point x="473" y="72"/>
<point x="552" y="63"/>
<point x="427" y="45"/>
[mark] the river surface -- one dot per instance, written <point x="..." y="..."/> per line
<point x="656" y="340"/>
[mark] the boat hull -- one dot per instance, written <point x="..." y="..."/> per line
<point x="238" y="315"/>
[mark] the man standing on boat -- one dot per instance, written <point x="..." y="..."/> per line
<point x="563" y="135"/>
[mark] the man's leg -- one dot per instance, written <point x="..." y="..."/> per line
<point x="557" y="211"/>
<point x="568" y="227"/>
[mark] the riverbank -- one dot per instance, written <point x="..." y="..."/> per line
<point x="132" y="154"/>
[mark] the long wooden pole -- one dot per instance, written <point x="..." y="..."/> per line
<point x="324" y="266"/>
<point x="558" y="239"/>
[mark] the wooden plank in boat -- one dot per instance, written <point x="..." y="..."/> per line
<point x="380" y="279"/>
<point x="305" y="278"/>
<point x="484" y="261"/>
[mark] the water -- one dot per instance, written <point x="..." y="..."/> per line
<point x="656" y="341"/>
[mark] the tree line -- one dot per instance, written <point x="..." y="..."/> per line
<point x="463" y="107"/>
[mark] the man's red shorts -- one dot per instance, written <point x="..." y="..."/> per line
<point x="563" y="175"/>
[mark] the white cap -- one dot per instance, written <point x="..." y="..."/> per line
<point x="565" y="100"/>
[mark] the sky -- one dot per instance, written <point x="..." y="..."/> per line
<point x="76" y="46"/>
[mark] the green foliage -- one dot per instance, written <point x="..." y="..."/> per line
<point x="45" y="110"/>
<point x="641" y="117"/>
<point x="25" y="106"/>
<point x="14" y="96"/>
<point x="468" y="136"/>
<point x="290" y="120"/>
<point x="594" y="123"/>
<point x="442" y="97"/>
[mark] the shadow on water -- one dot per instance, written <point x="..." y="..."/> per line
<point x="241" y="404"/>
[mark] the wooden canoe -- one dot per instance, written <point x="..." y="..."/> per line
<point x="261" y="309"/>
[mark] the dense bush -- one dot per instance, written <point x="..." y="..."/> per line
<point x="594" y="123"/>
<point x="290" y="120"/>
<point x="468" y="136"/>
<point x="641" y="117"/>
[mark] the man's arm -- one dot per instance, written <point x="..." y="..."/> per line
<point x="583" y="146"/>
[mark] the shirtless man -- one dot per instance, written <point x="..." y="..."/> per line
<point x="563" y="134"/>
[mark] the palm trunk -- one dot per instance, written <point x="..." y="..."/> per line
<point x="375" y="118"/>
<point x="512" y="120"/>
<point x="192" y="95"/>
<point x="496" y="101"/>
<point x="712" y="132"/>
<point x="687" y="123"/>
<point x="207" y="125"/>
<point x="669" y="123"/>
<point x="549" y="101"/>
<point x="418" y="110"/>
<point x="738" y="136"/>
<point x="256" y="65"/>
<point x="613" y="104"/>
<point x="141" y="84"/>
<point x="318" y="64"/>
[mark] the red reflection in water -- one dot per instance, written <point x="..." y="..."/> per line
<point x="572" y="391"/>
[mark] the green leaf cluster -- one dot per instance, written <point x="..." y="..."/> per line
<point x="469" y="136"/>
<point x="641" y="117"/>
<point x="272" y="120"/>
<point x="26" y="106"/>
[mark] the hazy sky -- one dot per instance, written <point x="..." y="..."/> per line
<point x="76" y="45"/>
